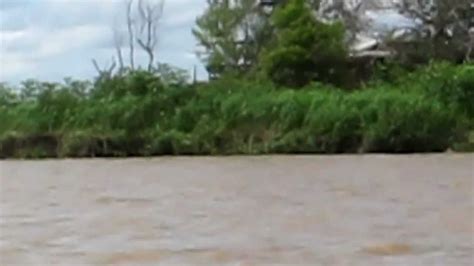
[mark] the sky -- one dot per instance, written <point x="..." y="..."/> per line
<point x="53" y="39"/>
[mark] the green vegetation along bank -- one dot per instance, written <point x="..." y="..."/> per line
<point x="146" y="114"/>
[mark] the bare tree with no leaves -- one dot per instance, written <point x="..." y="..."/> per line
<point x="105" y="72"/>
<point x="142" y="19"/>
<point x="131" y="36"/>
<point x="150" y="15"/>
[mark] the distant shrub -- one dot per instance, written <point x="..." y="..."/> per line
<point x="451" y="84"/>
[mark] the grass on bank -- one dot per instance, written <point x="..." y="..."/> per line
<point x="138" y="114"/>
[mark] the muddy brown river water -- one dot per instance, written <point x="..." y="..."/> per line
<point x="314" y="210"/>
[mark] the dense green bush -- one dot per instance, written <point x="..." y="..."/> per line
<point x="305" y="49"/>
<point x="140" y="115"/>
<point x="451" y="84"/>
<point x="399" y="122"/>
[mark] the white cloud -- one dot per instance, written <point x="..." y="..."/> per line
<point x="9" y="36"/>
<point x="185" y="18"/>
<point x="69" y="39"/>
<point x="51" y="39"/>
<point x="14" y="65"/>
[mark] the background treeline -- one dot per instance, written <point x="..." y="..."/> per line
<point x="295" y="42"/>
<point x="301" y="94"/>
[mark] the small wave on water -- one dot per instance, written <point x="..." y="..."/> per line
<point x="336" y="210"/>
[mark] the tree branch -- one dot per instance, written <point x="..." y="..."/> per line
<point x="131" y="35"/>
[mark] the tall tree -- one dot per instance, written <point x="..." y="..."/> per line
<point x="131" y="34"/>
<point x="231" y="34"/>
<point x="305" y="49"/>
<point x="445" y="26"/>
<point x="150" y="14"/>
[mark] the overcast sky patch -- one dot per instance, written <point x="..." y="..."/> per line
<point x="53" y="39"/>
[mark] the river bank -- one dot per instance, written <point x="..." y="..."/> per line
<point x="429" y="110"/>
